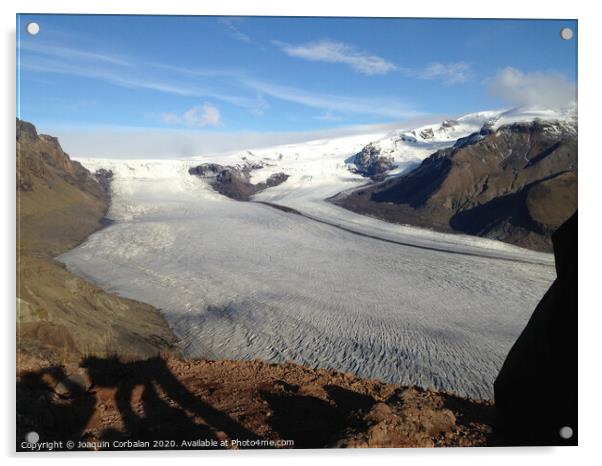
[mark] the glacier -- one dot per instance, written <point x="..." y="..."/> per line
<point x="328" y="288"/>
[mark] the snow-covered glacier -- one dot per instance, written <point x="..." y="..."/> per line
<point x="243" y="280"/>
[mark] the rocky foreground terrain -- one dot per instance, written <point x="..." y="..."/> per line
<point x="219" y="403"/>
<point x="516" y="183"/>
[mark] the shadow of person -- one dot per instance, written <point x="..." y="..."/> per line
<point x="348" y="400"/>
<point x="310" y="421"/>
<point x="307" y="420"/>
<point x="52" y="416"/>
<point x="166" y="411"/>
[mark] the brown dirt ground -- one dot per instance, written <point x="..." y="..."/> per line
<point x="171" y="400"/>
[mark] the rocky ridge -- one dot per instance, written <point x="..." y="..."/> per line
<point x="59" y="315"/>
<point x="235" y="181"/>
<point x="516" y="183"/>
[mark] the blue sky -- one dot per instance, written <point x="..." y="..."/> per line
<point x="229" y="76"/>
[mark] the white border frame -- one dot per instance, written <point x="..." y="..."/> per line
<point x="590" y="154"/>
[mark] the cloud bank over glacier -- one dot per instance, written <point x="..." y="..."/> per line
<point x="523" y="89"/>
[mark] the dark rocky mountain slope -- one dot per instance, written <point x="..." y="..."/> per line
<point x="235" y="182"/>
<point x="516" y="184"/>
<point x="60" y="316"/>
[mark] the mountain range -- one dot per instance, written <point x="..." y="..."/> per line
<point x="508" y="175"/>
<point x="516" y="183"/>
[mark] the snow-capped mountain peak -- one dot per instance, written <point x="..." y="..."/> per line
<point x="319" y="169"/>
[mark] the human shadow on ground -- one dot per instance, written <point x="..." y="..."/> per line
<point x="310" y="421"/>
<point x="154" y="406"/>
<point x="40" y="409"/>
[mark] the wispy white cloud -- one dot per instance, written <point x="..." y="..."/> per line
<point x="449" y="73"/>
<point x="260" y="106"/>
<point x="338" y="52"/>
<point x="129" y="79"/>
<point x="195" y="117"/>
<point x="328" y="116"/>
<point x="255" y="104"/>
<point x="234" y="31"/>
<point x="113" y="77"/>
<point x="71" y="53"/>
<point x="375" y="106"/>
<point x="243" y="91"/>
<point x="127" y="72"/>
<point x="541" y="89"/>
<point x="368" y="64"/>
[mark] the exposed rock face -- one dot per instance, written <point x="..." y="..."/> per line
<point x="235" y="182"/>
<point x="275" y="179"/>
<point x="474" y="137"/>
<point x="427" y="134"/>
<point x="26" y="131"/>
<point x="368" y="162"/>
<point x="536" y="390"/>
<point x="416" y="418"/>
<point x="516" y="184"/>
<point x="104" y="177"/>
<point x="60" y="316"/>
<point x="206" y="169"/>
<point x="449" y="123"/>
<point x="59" y="201"/>
<point x="42" y="163"/>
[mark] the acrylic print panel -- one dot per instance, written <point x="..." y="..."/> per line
<point x="271" y="232"/>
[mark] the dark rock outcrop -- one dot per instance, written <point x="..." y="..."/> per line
<point x="369" y="162"/>
<point x="42" y="163"/>
<point x="235" y="182"/>
<point x="427" y="133"/>
<point x="275" y="179"/>
<point x="515" y="184"/>
<point x="26" y="131"/>
<point x="449" y="123"/>
<point x="206" y="169"/>
<point x="104" y="177"/>
<point x="536" y="389"/>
